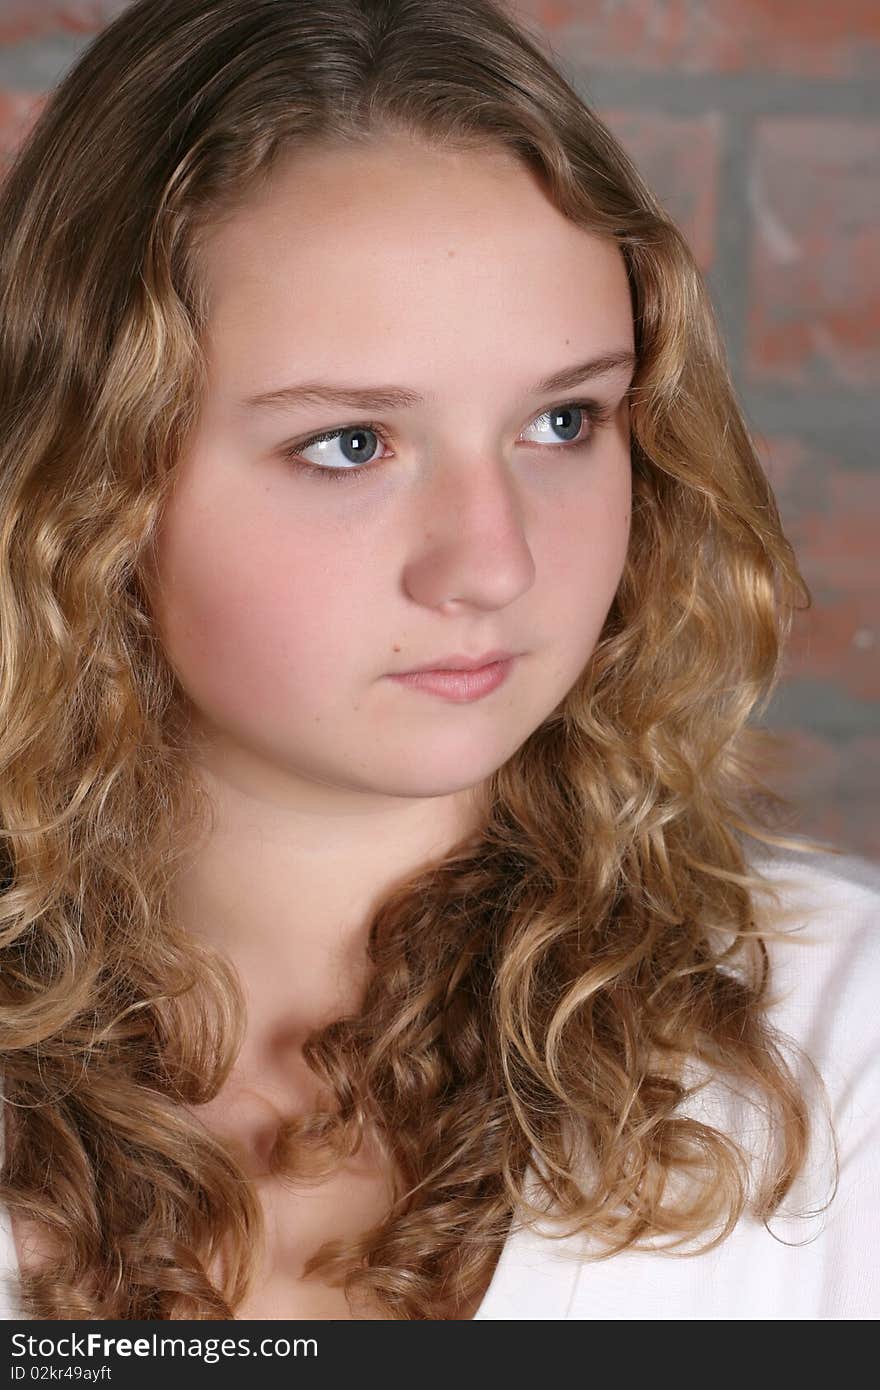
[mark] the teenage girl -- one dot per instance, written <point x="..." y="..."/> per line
<point x="392" y="921"/>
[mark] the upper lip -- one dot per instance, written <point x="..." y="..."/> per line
<point x="459" y="662"/>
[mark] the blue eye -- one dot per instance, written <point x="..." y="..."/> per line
<point x="357" y="447"/>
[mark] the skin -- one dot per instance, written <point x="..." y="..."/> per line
<point x="284" y="600"/>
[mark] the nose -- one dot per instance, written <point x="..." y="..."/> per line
<point x="470" y="544"/>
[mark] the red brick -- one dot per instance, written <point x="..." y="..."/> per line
<point x="814" y="312"/>
<point x="18" y="111"/>
<point x="829" y="513"/>
<point x="808" y="39"/>
<point x="678" y="158"/>
<point x="31" y="19"/>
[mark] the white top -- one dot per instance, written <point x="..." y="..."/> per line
<point x="826" y="986"/>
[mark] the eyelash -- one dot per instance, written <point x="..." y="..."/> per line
<point x="597" y="415"/>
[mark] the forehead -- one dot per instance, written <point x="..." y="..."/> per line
<point x="358" y="250"/>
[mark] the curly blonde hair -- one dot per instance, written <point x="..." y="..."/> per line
<point x="555" y="974"/>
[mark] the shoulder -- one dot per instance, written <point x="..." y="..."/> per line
<point x="825" y="994"/>
<point x="820" y="924"/>
<point x="848" y="884"/>
<point x="825" y="961"/>
<point x="816" y="1256"/>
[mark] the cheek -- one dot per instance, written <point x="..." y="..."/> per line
<point x="253" y="619"/>
<point x="585" y="555"/>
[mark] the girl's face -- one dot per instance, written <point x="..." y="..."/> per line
<point x="478" y="515"/>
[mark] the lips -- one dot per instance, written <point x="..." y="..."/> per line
<point x="457" y="685"/>
<point x="458" y="661"/>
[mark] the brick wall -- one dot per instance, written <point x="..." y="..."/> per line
<point x="756" y="122"/>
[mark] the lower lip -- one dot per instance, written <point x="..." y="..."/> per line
<point x="461" y="686"/>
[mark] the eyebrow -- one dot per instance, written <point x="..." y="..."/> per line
<point x="401" y="398"/>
